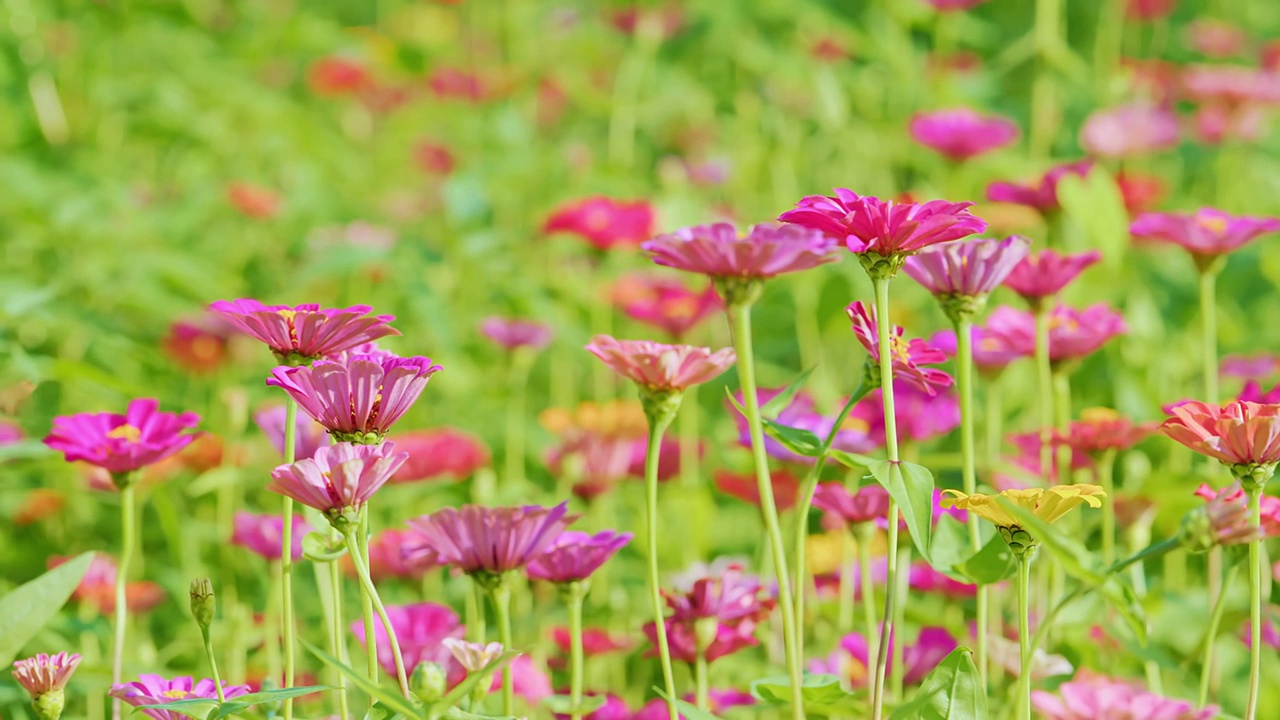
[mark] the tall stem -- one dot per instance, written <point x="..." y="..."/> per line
<point x="687" y="428"/>
<point x="657" y="426"/>
<point x="848" y="561"/>
<point x="1044" y="379"/>
<point x="969" y="470"/>
<point x="702" y="690"/>
<point x="1044" y="121"/>
<point x="359" y="557"/>
<point x="356" y="549"/>
<point x="740" y="322"/>
<point x="518" y="382"/>
<point x="1024" y="638"/>
<point x="336" y="636"/>
<point x="501" y="594"/>
<point x="286" y="557"/>
<point x="128" y="532"/>
<point x="897" y="667"/>
<point x="1062" y="422"/>
<point x="1105" y="472"/>
<point x="868" y="590"/>
<point x="992" y="426"/>
<point x="576" y="592"/>
<point x="1255" y="604"/>
<point x="1209" y="330"/>
<point x="1211" y="635"/>
<point x="626" y="95"/>
<point x="213" y="664"/>
<point x="883" y="331"/>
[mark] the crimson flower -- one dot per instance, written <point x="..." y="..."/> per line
<point x="604" y="222"/>
<point x="963" y="133"/>
<point x="440" y="453"/>
<point x="907" y="357"/>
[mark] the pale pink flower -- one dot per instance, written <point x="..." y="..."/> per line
<point x="1129" y="131"/>
<point x="718" y="252"/>
<point x="661" y="367"/>
<point x="339" y="479"/>
<point x="966" y="268"/>
<point x="45" y="673"/>
<point x="301" y="334"/>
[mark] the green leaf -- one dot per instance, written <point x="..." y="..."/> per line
<point x="687" y="709"/>
<point x="563" y="704"/>
<point x="823" y="695"/>
<point x="27" y="609"/>
<point x="387" y="696"/>
<point x="1096" y="203"/>
<point x="1120" y="594"/>
<point x="459" y="714"/>
<point x="951" y="692"/>
<point x="1075" y="560"/>
<point x="198" y="708"/>
<point x="797" y="440"/>
<point x="911" y="487"/>
<point x="782" y="399"/>
<point x="851" y="460"/>
<point x="316" y="547"/>
<point x="992" y="564"/>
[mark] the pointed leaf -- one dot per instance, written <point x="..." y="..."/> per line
<point x="951" y="692"/>
<point x="797" y="440"/>
<point x="911" y="487"/>
<point x="387" y="696"/>
<point x="27" y="609"/>
<point x="687" y="709"/>
<point x="992" y="564"/>
<point x="823" y="695"/>
<point x="851" y="460"/>
<point x="782" y="399"/>
<point x="240" y="703"/>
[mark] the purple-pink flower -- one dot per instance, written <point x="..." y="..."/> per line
<point x="962" y="133"/>
<point x="1207" y="233"/>
<point x="1129" y="130"/>
<point x="966" y="268"/>
<point x="301" y="334"/>
<point x="664" y="302"/>
<point x="1094" y="697"/>
<point x="479" y="539"/>
<point x="157" y="690"/>
<point x="920" y="416"/>
<point x="513" y="333"/>
<point x="574" y="556"/>
<point x="308" y="435"/>
<point x="908" y="357"/>
<point x="868" y="504"/>
<point x="734" y="600"/>
<point x="1073" y="333"/>
<point x="339" y="480"/>
<point x="1043" y="195"/>
<point x="121" y="444"/>
<point x="43" y="673"/>
<point x="849" y="661"/>
<point x="420" y="630"/>
<point x="717" y="251"/>
<point x="658" y="367"/>
<point x="1047" y="272"/>
<point x="358" y="397"/>
<point x="991" y="352"/>
<point x="263" y="534"/>
<point x="868" y="224"/>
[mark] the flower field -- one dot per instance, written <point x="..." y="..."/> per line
<point x="467" y="359"/>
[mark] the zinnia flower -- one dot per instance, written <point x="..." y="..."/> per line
<point x="1073" y="334"/>
<point x="963" y="133"/>
<point x="421" y="630"/>
<point x="1224" y="519"/>
<point x="335" y="76"/>
<point x="513" y="333"/>
<point x="43" y="674"/>
<point x="732" y="601"/>
<point x="660" y="368"/>
<point x="574" y="556"/>
<point x="1207" y="233"/>
<point x="339" y="480"/>
<point x="491" y="541"/>
<point x="1096" y="697"/>
<point x="440" y="453"/>
<point x="849" y="661"/>
<point x="473" y="657"/>
<point x="121" y="444"/>
<point x="665" y="303"/>
<point x="786" y="487"/>
<point x="1244" y="436"/>
<point x="198" y="345"/>
<point x="907" y="357"/>
<point x="604" y="222"/>
<point x="920" y="416"/>
<point x="1042" y="195"/>
<point x="1044" y="275"/>
<point x="308" y="435"/>
<point x="387" y="557"/>
<point x="1129" y="130"/>
<point x="1100" y="430"/>
<point x="157" y="690"/>
<point x="358" y="397"/>
<point x="97" y="587"/>
<point x="962" y="271"/>
<point x="718" y="252"/>
<point x="868" y="504"/>
<point x="299" y="335"/>
<point x="991" y="352"/>
<point x="263" y="534"/>
<point x="1047" y="504"/>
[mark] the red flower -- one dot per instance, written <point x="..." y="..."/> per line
<point x="453" y="84"/>
<point x="440" y="453"/>
<point x="434" y="158"/>
<point x="335" y="76"/>
<point x="665" y="303"/>
<point x="604" y="222"/>
<point x="253" y="201"/>
<point x="786" y="487"/>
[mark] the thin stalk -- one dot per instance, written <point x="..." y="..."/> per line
<point x="1024" y="638"/>
<point x="128" y="533"/>
<point x="271" y="623"/>
<point x="1255" y="604"/>
<point x="1104" y="470"/>
<point x="475" y="613"/>
<point x="848" y="561"/>
<point x="501" y="596"/>
<point x="358" y="556"/>
<point x="213" y="664"/>
<point x="1062" y="423"/>
<point x="366" y="599"/>
<point x="891" y="446"/>
<point x="336" y="636"/>
<point x="688" y="430"/>
<point x="868" y="586"/>
<point x="1043" y="90"/>
<point x="286" y="557"/>
<point x="740" y="322"/>
<point x="1209" y="332"/>
<point x="1211" y="634"/>
<point x="992" y="426"/>
<point x="658" y="425"/>
<point x="897" y="668"/>
<point x="576" y="592"/>
<point x="518" y="383"/>
<point x="1044" y="379"/>
<point x="969" y="470"/>
<point x="702" y="690"/>
<point x="626" y="95"/>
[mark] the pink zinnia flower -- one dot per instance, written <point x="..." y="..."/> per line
<point x="574" y="555"/>
<point x="868" y="504"/>
<point x="966" y="268"/>
<point x="991" y="352"/>
<point x="198" y="345"/>
<point x="658" y="367"/>
<point x="97" y="587"/>
<point x="1046" y="273"/>
<point x="604" y="222"/>
<point x="490" y="540"/>
<point x="358" y="397"/>
<point x="786" y="487"/>
<point x="907" y="357"/>
<point x="923" y="578"/>
<point x="849" y="661"/>
<point x="920" y="416"/>
<point x="301" y="334"/>
<point x="665" y="303"/>
<point x="387" y="557"/>
<point x="513" y="333"/>
<point x="448" y="83"/>
<point x="1100" y="430"/>
<point x="263" y="534"/>
<point x="1207" y="233"/>
<point x="1093" y="697"/>
<point x="868" y="224"/>
<point x="595" y="641"/>
<point x="157" y="690"/>
<point x="1250" y="367"/>
<point x="1238" y="434"/>
<point x="308" y="435"/>
<point x="1228" y="513"/>
<point x="440" y="453"/>
<point x="717" y="251"/>
<point x="1216" y="38"/>
<point x="733" y="600"/>
<point x="1148" y="10"/>
<point x="1252" y="392"/>
<point x="121" y="444"/>
<point x="421" y="630"/>
<point x="1043" y="195"/>
<point x="1073" y="333"/>
<point x="962" y="134"/>
<point x="1129" y="131"/>
<point x="1139" y="191"/>
<point x="339" y="480"/>
<point x="45" y="673"/>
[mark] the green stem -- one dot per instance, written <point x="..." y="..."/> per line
<point x="576" y="591"/>
<point x="213" y="664"/>
<point x="1024" y="638"/>
<point x="868" y="584"/>
<point x="740" y="322"/>
<point x="657" y="426"/>
<point x="359" y="550"/>
<point x="993" y="425"/>
<point x="271" y="623"/>
<point x="687" y="427"/>
<point x="1062" y="423"/>
<point x="518" y="382"/>
<point x="1211" y="635"/>
<point x="128" y="533"/>
<point x="702" y="690"/>
<point x="475" y="613"/>
<point x="969" y="470"/>
<point x="1209" y="330"/>
<point x="366" y="602"/>
<point x="626" y="97"/>
<point x="1255" y="604"/>
<point x="286" y="557"/>
<point x="848" y="560"/>
<point x="501" y="595"/>
<point x="1043" y="102"/>
<point x="897" y="668"/>
<point x="336" y="636"/>
<point x="1044" y="378"/>
<point x="891" y="446"/>
<point x="1105" y="471"/>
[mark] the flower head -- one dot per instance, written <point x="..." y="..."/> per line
<point x="490" y="541"/>
<point x="1043" y="275"/>
<point x="868" y="504"/>
<point x="121" y="444"/>
<point x="157" y="690"/>
<point x="604" y="222"/>
<point x="657" y="367"/>
<point x="961" y="271"/>
<point x="388" y="558"/>
<point x="1242" y="435"/>
<point x="665" y="303"/>
<point x="473" y="657"/>
<point x="717" y="615"/>
<point x="849" y="660"/>
<point x="907" y="357"/>
<point x="358" y="397"/>
<point x="198" y="345"/>
<point x="309" y="435"/>
<point x="440" y="453"/>
<point x="920" y="416"/>
<point x="1129" y="131"/>
<point x="1073" y="334"/>
<point x="301" y="334"/>
<point x="718" y="252"/>
<point x="1043" y="195"/>
<point x="421" y="630"/>
<point x="513" y="333"/>
<point x="43" y="673"/>
<point x="1101" y="429"/>
<point x="264" y="534"/>
<point x="992" y="352"/>
<point x="1224" y="519"/>
<point x="962" y="134"/>
<point x="1047" y="504"/>
<point x="574" y="556"/>
<point x="97" y="587"/>
<point x="1092" y="697"/>
<point x="786" y="487"/>
<point x="339" y="480"/>
<point x="1207" y="233"/>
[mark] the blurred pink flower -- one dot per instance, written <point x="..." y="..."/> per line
<point x="1093" y="697"/>
<point x="595" y="641"/>
<point x="966" y="268"/>
<point x="1148" y="10"/>
<point x="924" y="579"/>
<point x="1250" y="367"/>
<point x="1129" y="131"/>
<point x="339" y="479"/>
<point x="664" y="302"/>
<point x="717" y="251"/>
<point x="121" y="444"/>
<point x="920" y="416"/>
<point x="43" y="673"/>
<point x="198" y="345"/>
<point x="335" y="76"/>
<point x="664" y="19"/>
<point x="478" y="539"/>
<point x="434" y="158"/>
<point x="574" y="555"/>
<point x="614" y="708"/>
<point x="907" y="357"/>
<point x="1252" y="392"/>
<point x="1047" y="273"/>
<point x="439" y="453"/>
<point x="1230" y="85"/>
<point x="1216" y="123"/>
<point x="387" y="557"/>
<point x="301" y="334"/>
<point x="1073" y="333"/>
<point x="1140" y="191"/>
<point x="420" y="629"/>
<point x="263" y="534"/>
<point x="1207" y="233"/>
<point x="157" y="690"/>
<point x="97" y="587"/>
<point x="991" y="352"/>
<point x="1216" y="38"/>
<point x="1228" y="513"/>
<point x="604" y="222"/>
<point x="868" y="504"/>
<point x="449" y="83"/>
<point x="849" y="660"/>
<point x="868" y="224"/>
<point x="658" y="367"/>
<point x="786" y="487"/>
<point x="963" y="133"/>
<point x="1100" y="430"/>
<point x="309" y="435"/>
<point x="1043" y="195"/>
<point x="1239" y="433"/>
<point x="733" y="599"/>
<point x="512" y="333"/>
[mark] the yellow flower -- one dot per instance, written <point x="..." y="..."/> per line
<point x="1048" y="505"/>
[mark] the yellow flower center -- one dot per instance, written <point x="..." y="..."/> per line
<point x="1215" y="224"/>
<point x="899" y="348"/>
<point x="682" y="308"/>
<point x="288" y="315"/>
<point x="855" y="424"/>
<point x="175" y="694"/>
<point x="1099" y="416"/>
<point x="128" y="433"/>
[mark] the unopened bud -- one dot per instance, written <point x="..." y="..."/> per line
<point x="1019" y="541"/>
<point x="429" y="681"/>
<point x="49" y="705"/>
<point x="1196" y="531"/>
<point x="705" y="632"/>
<point x="203" y="603"/>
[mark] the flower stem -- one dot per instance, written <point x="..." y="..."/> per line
<point x="1209" y="330"/>
<point x="687" y="428"/>
<point x="626" y="96"/>
<point x="867" y="581"/>
<point x="501" y="595"/>
<point x="366" y="604"/>
<point x="336" y="636"/>
<point x="475" y="613"/>
<point x="1062" y="423"/>
<point x="1105" y="470"/>
<point x="1211" y="635"/>
<point x="1255" y="604"/>
<point x="969" y="469"/>
<point x="213" y="663"/>
<point x="1044" y="378"/>
<point x="702" y="689"/>
<point x="844" y="609"/>
<point x="518" y="382"/>
<point x="359" y="556"/>
<point x="286" y="557"/>
<point x="1044" y="120"/>
<point x="992" y="426"/>
<point x="576" y="592"/>
<point x="128" y="532"/>
<point x="883" y="331"/>
<point x="271" y="621"/>
<point x="1024" y="638"/>
<point x="897" y="668"/>
<point x="657" y="426"/>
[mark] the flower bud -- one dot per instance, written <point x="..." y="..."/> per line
<point x="203" y="603"/>
<point x="429" y="681"/>
<point x="49" y="705"/>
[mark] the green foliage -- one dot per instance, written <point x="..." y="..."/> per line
<point x="951" y="692"/>
<point x="911" y="487"/>
<point x="823" y="695"/>
<point x="26" y="610"/>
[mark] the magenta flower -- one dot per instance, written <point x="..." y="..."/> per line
<point x="908" y="357"/>
<point x="658" y="367"/>
<point x="339" y="480"/>
<point x="263" y="534"/>
<point x="732" y="597"/>
<point x="849" y="661"/>
<point x="157" y="690"/>
<point x="421" y="630"/>
<point x="492" y="541"/>
<point x="387" y="557"/>
<point x="604" y="222"/>
<point x="308" y="435"/>
<point x="1043" y="195"/>
<point x="1129" y="131"/>
<point x="665" y="303"/>
<point x="300" y="335"/>
<point x="574" y="556"/>
<point x="121" y="444"/>
<point x="963" y="133"/>
<point x="718" y="252"/>
<point x="884" y="228"/>
<point x="966" y="268"/>
<point x="1238" y="434"/>
<point x="682" y="640"/>
<point x="437" y="453"/>
<point x="513" y="333"/>
<point x="920" y="416"/>
<point x="869" y="504"/>
<point x="1227" y="511"/>
<point x="1250" y="367"/>
<point x="358" y="397"/>
<point x="1252" y="392"/>
<point x="1045" y="274"/>
<point x="45" y="673"/>
<point x="923" y="578"/>
<point x="991" y="352"/>
<point x="1092" y="697"/>
<point x="1207" y="233"/>
<point x="1073" y="334"/>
